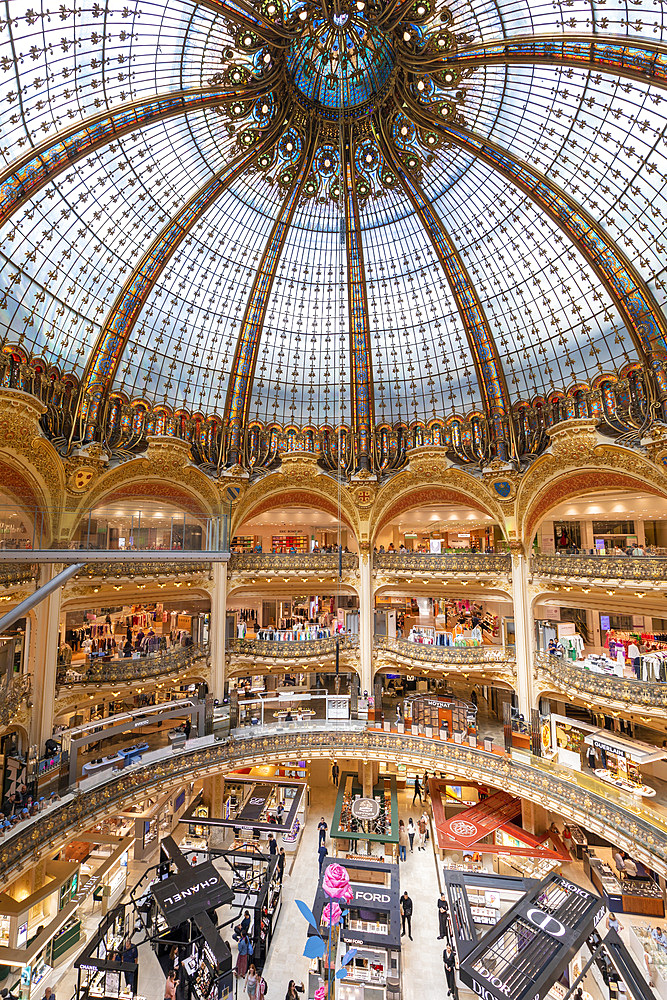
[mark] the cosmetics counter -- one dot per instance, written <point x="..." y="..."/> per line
<point x="371" y="822"/>
<point x="102" y="975"/>
<point x="257" y="888"/>
<point x="650" y="956"/>
<point x="629" y="895"/>
<point x="372" y="926"/>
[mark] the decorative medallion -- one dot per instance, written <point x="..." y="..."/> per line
<point x="503" y="488"/>
<point x="80" y="480"/>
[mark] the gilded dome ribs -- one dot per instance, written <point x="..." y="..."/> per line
<point x="641" y="60"/>
<point x="632" y="296"/>
<point x="489" y="370"/>
<point x="26" y="176"/>
<point x="105" y="358"/>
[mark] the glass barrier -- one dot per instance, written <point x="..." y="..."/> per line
<point x="140" y="530"/>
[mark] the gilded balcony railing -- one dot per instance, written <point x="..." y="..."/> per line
<point x="13" y="574"/>
<point x="261" y="648"/>
<point x="13" y="697"/>
<point x="637" y="569"/>
<point x="129" y="570"/>
<point x="471" y="656"/>
<point x="605" y="687"/>
<point x="98" y="671"/>
<point x="578" y="797"/>
<point x="276" y="562"/>
<point x="447" y="562"/>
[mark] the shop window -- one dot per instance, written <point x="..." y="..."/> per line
<point x="601" y="528"/>
<point x="567" y="535"/>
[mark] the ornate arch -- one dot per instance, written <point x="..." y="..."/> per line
<point x="306" y="496"/>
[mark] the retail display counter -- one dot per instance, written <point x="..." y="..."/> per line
<point x="615" y="779"/>
<point x="642" y="944"/>
<point x="630" y="895"/>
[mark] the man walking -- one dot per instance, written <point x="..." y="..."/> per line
<point x="335" y="773"/>
<point x="406" y="914"/>
<point x="322" y="828"/>
<point x="281" y="863"/>
<point x="322" y="853"/>
<point x="418" y="791"/>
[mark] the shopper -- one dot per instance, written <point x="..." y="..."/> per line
<point x="427" y="835"/>
<point x="335" y="773"/>
<point x="411" y="834"/>
<point x="592" y="759"/>
<point x="188" y="727"/>
<point x="421" y="839"/>
<point x="273" y="845"/>
<point x="613" y="923"/>
<point x="252" y="983"/>
<point x="48" y="994"/>
<point x="402" y="841"/>
<point x="293" y="990"/>
<point x="442" y="916"/>
<point x="629" y="867"/>
<point x="322" y="853"/>
<point x="129" y="956"/>
<point x="418" y="791"/>
<point x="406" y="914"/>
<point x="425" y="784"/>
<point x="567" y="838"/>
<point x="170" y="986"/>
<point x="322" y="828"/>
<point x="281" y="863"/>
<point x="245" y="952"/>
<point x="619" y="861"/>
<point x="449" y="962"/>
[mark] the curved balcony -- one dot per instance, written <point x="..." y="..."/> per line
<point x="98" y="671"/>
<point x="473" y="565"/>
<point x="106" y="571"/>
<point x="246" y="652"/>
<point x="629" y="571"/>
<point x="579" y="797"/>
<point x="467" y="659"/>
<point x="13" y="575"/>
<point x="247" y="568"/>
<point x="605" y="689"/>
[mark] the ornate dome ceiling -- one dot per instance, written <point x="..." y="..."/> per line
<point x="328" y="213"/>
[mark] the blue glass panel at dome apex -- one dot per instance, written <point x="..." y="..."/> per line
<point x="342" y="64"/>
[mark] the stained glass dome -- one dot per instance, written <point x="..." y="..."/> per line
<point x="316" y="215"/>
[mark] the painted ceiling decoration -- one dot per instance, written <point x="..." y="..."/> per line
<point x="347" y="227"/>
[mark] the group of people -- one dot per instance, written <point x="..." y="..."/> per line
<point x="19" y="805"/>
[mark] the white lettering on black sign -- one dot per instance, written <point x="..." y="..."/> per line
<point x="191" y="891"/>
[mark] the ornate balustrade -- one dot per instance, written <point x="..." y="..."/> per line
<point x="459" y="563"/>
<point x="580" y="798"/>
<point x="475" y="658"/>
<point x="13" y="697"/>
<point x="277" y="562"/>
<point x="178" y="659"/>
<point x="605" y="688"/>
<point x="129" y="570"/>
<point x="651" y="570"/>
<point x="12" y="575"/>
<point x="258" y="649"/>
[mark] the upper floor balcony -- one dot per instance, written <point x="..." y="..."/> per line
<point x="292" y="568"/>
<point x="288" y="655"/>
<point x="114" y="670"/>
<point x="498" y="661"/>
<point x="606" y="690"/>
<point x="648" y="571"/>
<point x="463" y="564"/>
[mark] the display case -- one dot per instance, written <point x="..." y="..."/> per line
<point x="628" y="895"/>
<point x="642" y="944"/>
<point x="102" y="975"/>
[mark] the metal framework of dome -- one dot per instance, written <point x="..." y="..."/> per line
<point x="350" y="227"/>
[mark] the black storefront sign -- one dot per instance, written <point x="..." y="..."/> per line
<point x="255" y="805"/>
<point x="529" y="948"/>
<point x="190" y="892"/>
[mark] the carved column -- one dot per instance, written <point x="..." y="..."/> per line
<point x="366" y="617"/>
<point x="217" y="629"/>
<point x="524" y="629"/>
<point x="43" y="658"/>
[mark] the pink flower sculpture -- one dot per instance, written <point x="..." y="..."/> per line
<point x="320" y="993"/>
<point x="331" y="914"/>
<point x="336" y="883"/>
